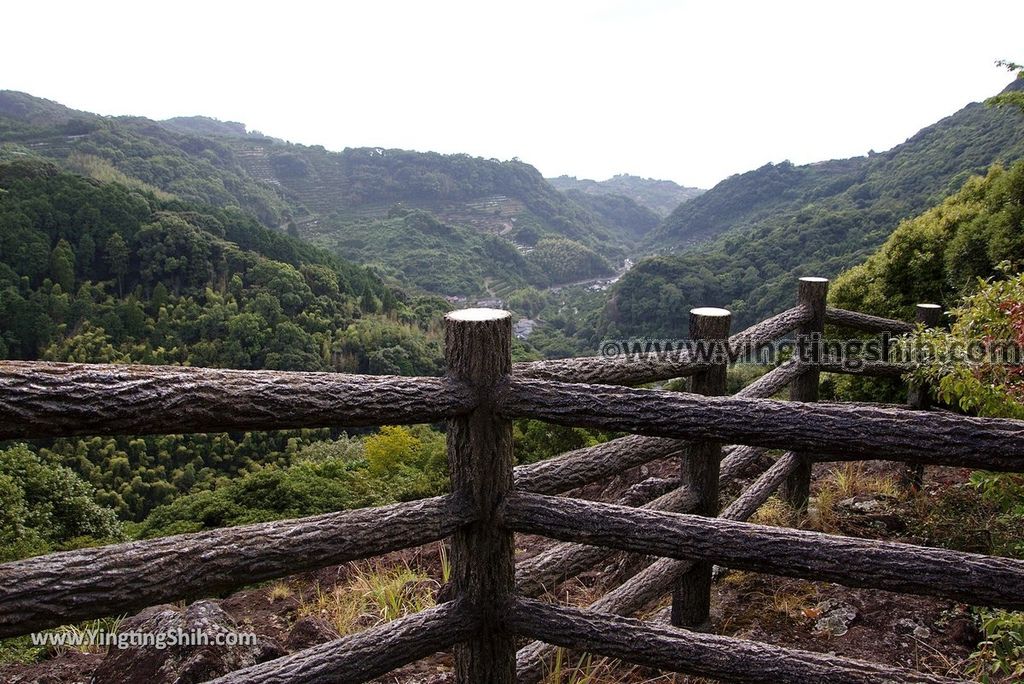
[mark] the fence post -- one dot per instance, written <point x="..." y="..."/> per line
<point x="813" y="294"/>
<point x="917" y="394"/>
<point x="478" y="352"/>
<point x="691" y="597"/>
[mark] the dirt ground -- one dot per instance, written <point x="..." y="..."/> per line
<point x="927" y="634"/>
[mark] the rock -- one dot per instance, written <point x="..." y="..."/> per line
<point x="904" y="626"/>
<point x="143" y="661"/>
<point x="309" y="631"/>
<point x="912" y="627"/>
<point x="835" y="618"/>
<point x="858" y="504"/>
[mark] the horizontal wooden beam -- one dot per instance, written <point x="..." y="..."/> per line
<point x="368" y="654"/>
<point x="553" y="566"/>
<point x="773" y="381"/>
<point x="875" y="369"/>
<point x="866" y="322"/>
<point x="582" y="466"/>
<point x="769" y="329"/>
<point x="679" y="650"/>
<point x="828" y="429"/>
<point x="967" y="577"/>
<point x="638" y="369"/>
<point x="63" y="399"/>
<point x="634" y="369"/>
<point x="71" y="586"/>
<point x="591" y="464"/>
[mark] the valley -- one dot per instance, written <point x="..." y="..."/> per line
<point x="195" y="243"/>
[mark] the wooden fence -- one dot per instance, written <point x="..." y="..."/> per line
<point x="494" y="614"/>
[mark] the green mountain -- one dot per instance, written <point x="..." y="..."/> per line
<point x="102" y="272"/>
<point x="743" y="243"/>
<point x="93" y="271"/>
<point x="937" y="255"/>
<point x="498" y="213"/>
<point x="135" y="151"/>
<point x="636" y="220"/>
<point x="660" y="196"/>
<point x="334" y="198"/>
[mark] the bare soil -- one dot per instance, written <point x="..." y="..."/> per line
<point x="918" y="632"/>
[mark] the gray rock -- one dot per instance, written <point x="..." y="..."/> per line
<point x="834" y="619"/>
<point x="147" y="663"/>
<point x="309" y="631"/>
<point x="913" y="627"/>
<point x="864" y="506"/>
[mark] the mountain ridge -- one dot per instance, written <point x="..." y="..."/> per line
<point x="660" y="196"/>
<point x="743" y="244"/>
<point x="311" y="191"/>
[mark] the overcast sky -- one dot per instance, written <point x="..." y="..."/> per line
<point x="688" y="91"/>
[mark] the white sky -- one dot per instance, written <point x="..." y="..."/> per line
<point x="690" y="91"/>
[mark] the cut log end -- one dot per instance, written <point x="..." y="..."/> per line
<point x="478" y="315"/>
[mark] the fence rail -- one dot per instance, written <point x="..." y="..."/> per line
<point x="40" y="399"/>
<point x="675" y="519"/>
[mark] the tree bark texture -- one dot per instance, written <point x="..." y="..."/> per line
<point x="829" y="429"/>
<point x="612" y="370"/>
<point x="637" y="370"/>
<point x="653" y="582"/>
<point x="866" y="322"/>
<point x="478" y="354"/>
<point x="813" y="294"/>
<point x="967" y="577"/>
<point x="64" y="399"/>
<point x="368" y="654"/>
<point x="691" y="596"/>
<point x="590" y="464"/>
<point x="679" y="650"/>
<point x="565" y="560"/>
<point x="71" y="586"/>
<point x="769" y="329"/>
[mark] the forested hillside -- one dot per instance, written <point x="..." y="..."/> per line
<point x="334" y="198"/>
<point x="135" y="151"/>
<point x="635" y="219"/>
<point x="88" y="266"/>
<point x="934" y="257"/>
<point x="782" y="221"/>
<point x="660" y="196"/>
<point x="96" y="271"/>
<point x="99" y="272"/>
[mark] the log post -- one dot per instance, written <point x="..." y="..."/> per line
<point x="691" y="597"/>
<point x="478" y="352"/>
<point x="917" y="394"/>
<point x="813" y="293"/>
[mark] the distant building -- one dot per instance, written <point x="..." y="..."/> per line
<point x="491" y="303"/>
<point x="524" y="328"/>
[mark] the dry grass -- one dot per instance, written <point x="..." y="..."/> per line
<point x="374" y="594"/>
<point x="843" y="482"/>
<point x="790" y="599"/>
<point x="776" y="513"/>
<point x="279" y="591"/>
<point x="77" y="636"/>
<point x="591" y="669"/>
